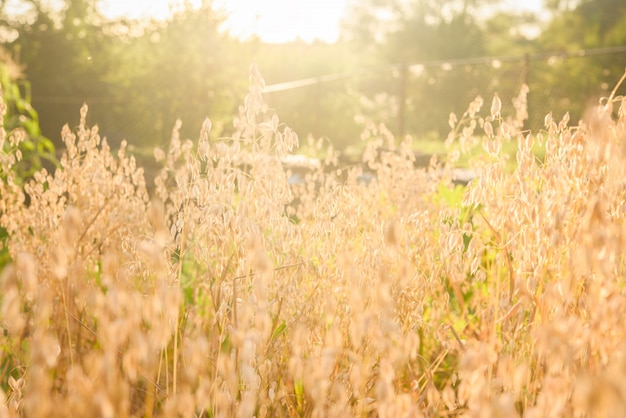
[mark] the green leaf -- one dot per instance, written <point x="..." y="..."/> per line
<point x="279" y="330"/>
<point x="299" y="392"/>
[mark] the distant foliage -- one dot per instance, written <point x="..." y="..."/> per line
<point x="20" y="123"/>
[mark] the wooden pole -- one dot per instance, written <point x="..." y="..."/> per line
<point x="402" y="90"/>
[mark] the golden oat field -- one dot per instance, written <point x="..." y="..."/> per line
<point x="223" y="290"/>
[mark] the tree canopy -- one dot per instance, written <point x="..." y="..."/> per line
<point x="408" y="63"/>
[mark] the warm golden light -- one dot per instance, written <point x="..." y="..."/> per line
<point x="273" y="21"/>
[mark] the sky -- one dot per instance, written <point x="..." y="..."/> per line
<point x="272" y="20"/>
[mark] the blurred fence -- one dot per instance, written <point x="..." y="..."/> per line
<point x="418" y="97"/>
<point x="414" y="98"/>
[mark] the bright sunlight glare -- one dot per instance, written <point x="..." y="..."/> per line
<point x="273" y="21"/>
<point x="285" y="20"/>
<point x="141" y="9"/>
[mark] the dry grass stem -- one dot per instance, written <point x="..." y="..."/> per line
<point x="375" y="290"/>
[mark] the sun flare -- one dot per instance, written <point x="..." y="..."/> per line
<point x="272" y="21"/>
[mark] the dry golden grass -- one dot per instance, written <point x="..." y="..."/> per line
<point x="403" y="297"/>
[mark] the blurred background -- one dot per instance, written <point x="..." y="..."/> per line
<point x="140" y="65"/>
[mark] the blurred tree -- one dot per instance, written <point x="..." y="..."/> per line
<point x="511" y="34"/>
<point x="181" y="68"/>
<point x="65" y="55"/>
<point x="417" y="30"/>
<point x="413" y="32"/>
<point x="599" y="22"/>
<point x="136" y="77"/>
<point x="572" y="84"/>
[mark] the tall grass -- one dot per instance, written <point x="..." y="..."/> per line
<point x="228" y="292"/>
